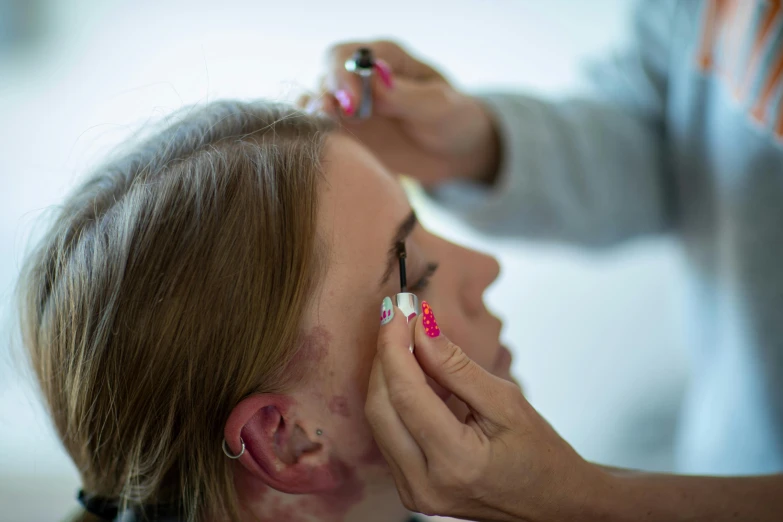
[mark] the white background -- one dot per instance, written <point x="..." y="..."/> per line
<point x="597" y="337"/>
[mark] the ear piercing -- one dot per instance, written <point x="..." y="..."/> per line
<point x="228" y="452"/>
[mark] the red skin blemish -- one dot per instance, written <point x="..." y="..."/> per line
<point x="339" y="406"/>
<point x="331" y="506"/>
<point x="325" y="506"/>
<point x="334" y="505"/>
<point x="313" y="348"/>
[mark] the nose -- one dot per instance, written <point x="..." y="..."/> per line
<point x="481" y="270"/>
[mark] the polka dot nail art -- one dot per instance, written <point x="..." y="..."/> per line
<point x="428" y="320"/>
<point x="387" y="311"/>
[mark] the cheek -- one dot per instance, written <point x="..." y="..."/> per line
<point x="350" y="430"/>
<point x="349" y="379"/>
<point x="338" y="409"/>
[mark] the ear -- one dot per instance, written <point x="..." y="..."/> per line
<point x="280" y="448"/>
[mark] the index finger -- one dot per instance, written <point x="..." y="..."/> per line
<point x="406" y="460"/>
<point x="402" y="63"/>
<point x="427" y="418"/>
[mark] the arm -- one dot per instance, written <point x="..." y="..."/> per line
<point x="505" y="463"/>
<point x="591" y="171"/>
<point x="636" y="496"/>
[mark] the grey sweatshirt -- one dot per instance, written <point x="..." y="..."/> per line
<point x="685" y="136"/>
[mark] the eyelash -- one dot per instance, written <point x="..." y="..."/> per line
<point x="422" y="283"/>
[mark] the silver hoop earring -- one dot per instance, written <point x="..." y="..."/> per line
<point x="228" y="452"/>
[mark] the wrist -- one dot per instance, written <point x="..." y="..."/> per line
<point x="480" y="159"/>
<point x="595" y="495"/>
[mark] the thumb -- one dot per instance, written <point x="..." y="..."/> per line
<point x="450" y="367"/>
<point x="414" y="99"/>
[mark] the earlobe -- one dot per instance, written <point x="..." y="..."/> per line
<point x="279" y="448"/>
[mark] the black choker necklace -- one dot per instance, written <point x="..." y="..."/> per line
<point x="109" y="509"/>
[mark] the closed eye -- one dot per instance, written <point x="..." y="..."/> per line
<point x="422" y="283"/>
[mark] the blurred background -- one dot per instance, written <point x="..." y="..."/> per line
<point x="596" y="336"/>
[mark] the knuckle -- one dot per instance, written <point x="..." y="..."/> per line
<point x="390" y="341"/>
<point x="402" y="396"/>
<point x="455" y="361"/>
<point x="386" y="339"/>
<point x="385" y="47"/>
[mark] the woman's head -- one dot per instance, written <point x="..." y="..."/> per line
<point x="170" y="286"/>
<point x="223" y="280"/>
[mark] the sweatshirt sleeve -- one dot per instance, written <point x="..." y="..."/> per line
<point x="589" y="171"/>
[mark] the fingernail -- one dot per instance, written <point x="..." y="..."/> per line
<point x="384" y="72"/>
<point x="387" y="311"/>
<point x="430" y="324"/>
<point x="344" y="98"/>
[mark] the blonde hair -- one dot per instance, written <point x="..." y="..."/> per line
<point x="170" y="286"/>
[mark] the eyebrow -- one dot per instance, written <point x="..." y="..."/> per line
<point x="393" y="256"/>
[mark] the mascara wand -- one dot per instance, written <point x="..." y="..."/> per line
<point x="403" y="272"/>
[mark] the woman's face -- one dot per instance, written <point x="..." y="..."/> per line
<point x="363" y="210"/>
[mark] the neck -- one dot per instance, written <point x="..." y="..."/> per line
<point x="381" y="504"/>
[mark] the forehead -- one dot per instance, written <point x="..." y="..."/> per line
<point x="360" y="207"/>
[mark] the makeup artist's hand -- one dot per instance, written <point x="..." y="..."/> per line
<point x="503" y="462"/>
<point x="421" y="126"/>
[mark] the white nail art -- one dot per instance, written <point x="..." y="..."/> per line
<point x="387" y="311"/>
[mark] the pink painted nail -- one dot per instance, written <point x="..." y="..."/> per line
<point x="385" y="73"/>
<point x="344" y="98"/>
<point x="430" y="324"/>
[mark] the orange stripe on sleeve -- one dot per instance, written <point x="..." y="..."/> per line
<point x="771" y="83"/>
<point x="773" y="8"/>
<point x="713" y="10"/>
<point x="779" y="126"/>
